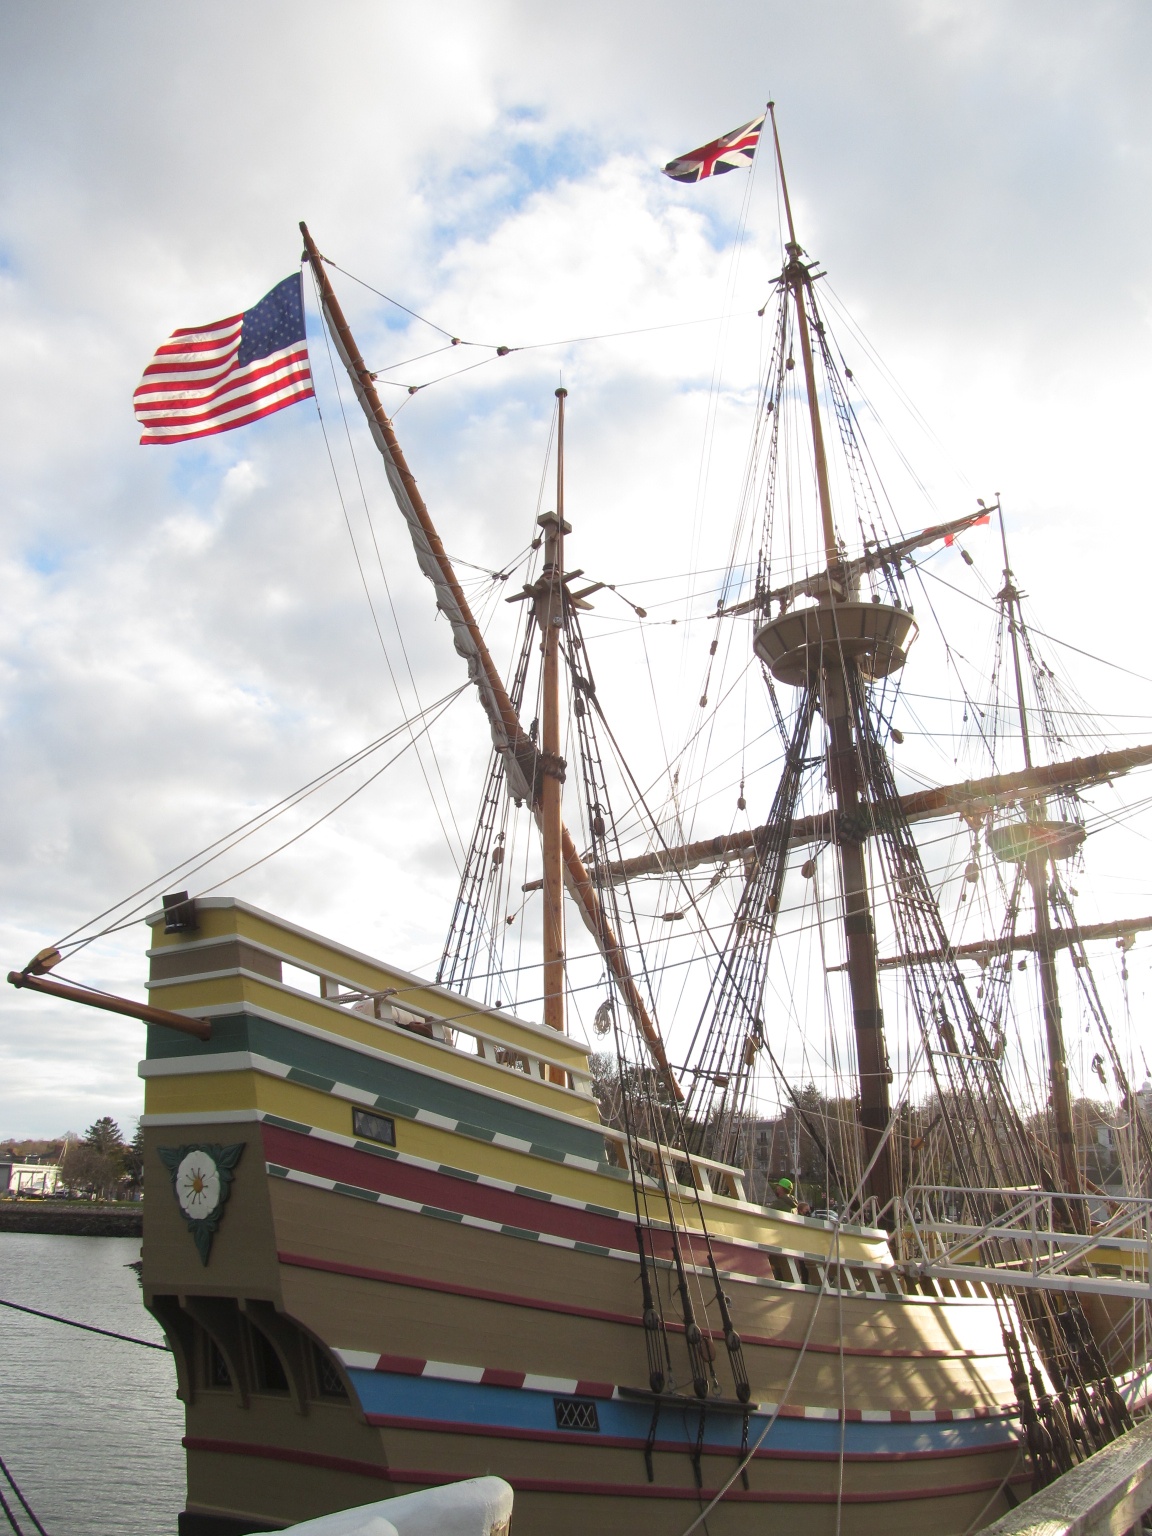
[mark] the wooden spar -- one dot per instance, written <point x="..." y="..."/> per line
<point x="509" y="735"/>
<point x="366" y="392"/>
<point x="201" y="1028"/>
<point x="975" y="797"/>
<point x="874" y="558"/>
<point x="988" y="949"/>
<point x="551" y="604"/>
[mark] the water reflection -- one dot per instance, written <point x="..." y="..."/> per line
<point x="89" y="1427"/>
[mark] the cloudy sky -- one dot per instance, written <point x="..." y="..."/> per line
<point x="184" y="632"/>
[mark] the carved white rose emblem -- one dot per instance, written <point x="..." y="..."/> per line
<point x="198" y="1184"/>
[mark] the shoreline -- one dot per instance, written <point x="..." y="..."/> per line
<point x="68" y="1219"/>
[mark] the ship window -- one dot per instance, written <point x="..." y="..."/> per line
<point x="300" y="980"/>
<point x="327" y="1376"/>
<point x="374" y="1127"/>
<point x="270" y="1375"/>
<point x="576" y="1413"/>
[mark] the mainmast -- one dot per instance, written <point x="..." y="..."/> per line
<point x="1041" y="840"/>
<point x="833" y="648"/>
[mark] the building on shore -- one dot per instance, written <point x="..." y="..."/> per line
<point x="21" y="1179"/>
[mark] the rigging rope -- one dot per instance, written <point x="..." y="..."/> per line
<point x="68" y="1322"/>
<point x="452" y="848"/>
<point x="249" y="828"/>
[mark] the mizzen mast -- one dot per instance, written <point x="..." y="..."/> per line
<point x="1033" y="843"/>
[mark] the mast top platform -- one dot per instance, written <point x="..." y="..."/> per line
<point x="1014" y="842"/>
<point x="799" y="644"/>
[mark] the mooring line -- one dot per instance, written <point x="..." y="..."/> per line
<point x="87" y="1327"/>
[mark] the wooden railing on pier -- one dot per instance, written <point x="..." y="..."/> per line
<point x="1104" y="1496"/>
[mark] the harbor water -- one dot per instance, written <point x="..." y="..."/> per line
<point x="89" y="1427"/>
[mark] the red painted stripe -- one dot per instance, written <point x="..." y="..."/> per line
<point x="282" y="1453"/>
<point x="326" y="1159"/>
<point x="734" y="1495"/>
<point x="427" y="1187"/>
<point x="566" y="1309"/>
<point x="451" y="1288"/>
<point x="492" y="1376"/>
<point x="495" y="1378"/>
<point x="424" y="1479"/>
<point x="627" y="1443"/>
<point x="402" y="1365"/>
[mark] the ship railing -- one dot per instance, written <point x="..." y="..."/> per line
<point x="682" y="1170"/>
<point x="487" y="1046"/>
<point x="229" y="939"/>
<point x="658" y="1161"/>
<point x="1028" y="1240"/>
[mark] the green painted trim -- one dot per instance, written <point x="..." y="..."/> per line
<point x="397" y="1089"/>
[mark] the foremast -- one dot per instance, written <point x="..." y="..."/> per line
<point x="550" y="602"/>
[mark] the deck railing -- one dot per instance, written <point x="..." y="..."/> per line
<point x="1027" y="1241"/>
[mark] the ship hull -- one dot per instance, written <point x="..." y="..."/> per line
<point x="462" y="1296"/>
<point x="456" y="1343"/>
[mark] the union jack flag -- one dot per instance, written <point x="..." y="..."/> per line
<point x="726" y="154"/>
<point x="210" y="378"/>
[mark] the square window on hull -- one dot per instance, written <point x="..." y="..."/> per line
<point x="374" y="1127"/>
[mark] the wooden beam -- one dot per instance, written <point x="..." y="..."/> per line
<point x="975" y="797"/>
<point x="201" y="1028"/>
<point x="986" y="949"/>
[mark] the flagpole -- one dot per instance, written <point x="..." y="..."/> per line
<point x="798" y="279"/>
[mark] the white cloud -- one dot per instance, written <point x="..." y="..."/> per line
<point x="185" y="636"/>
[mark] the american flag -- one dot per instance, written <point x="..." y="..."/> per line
<point x="211" y="378"/>
<point x="727" y="154"/>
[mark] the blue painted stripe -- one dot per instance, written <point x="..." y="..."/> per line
<point x="495" y="1408"/>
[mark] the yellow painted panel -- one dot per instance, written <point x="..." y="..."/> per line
<point x="203" y="1093"/>
<point x="224" y="922"/>
<point x="399" y="1043"/>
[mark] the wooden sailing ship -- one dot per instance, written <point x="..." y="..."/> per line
<point x="406" y="1243"/>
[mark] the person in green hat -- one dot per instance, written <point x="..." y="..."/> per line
<point x="785" y="1197"/>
